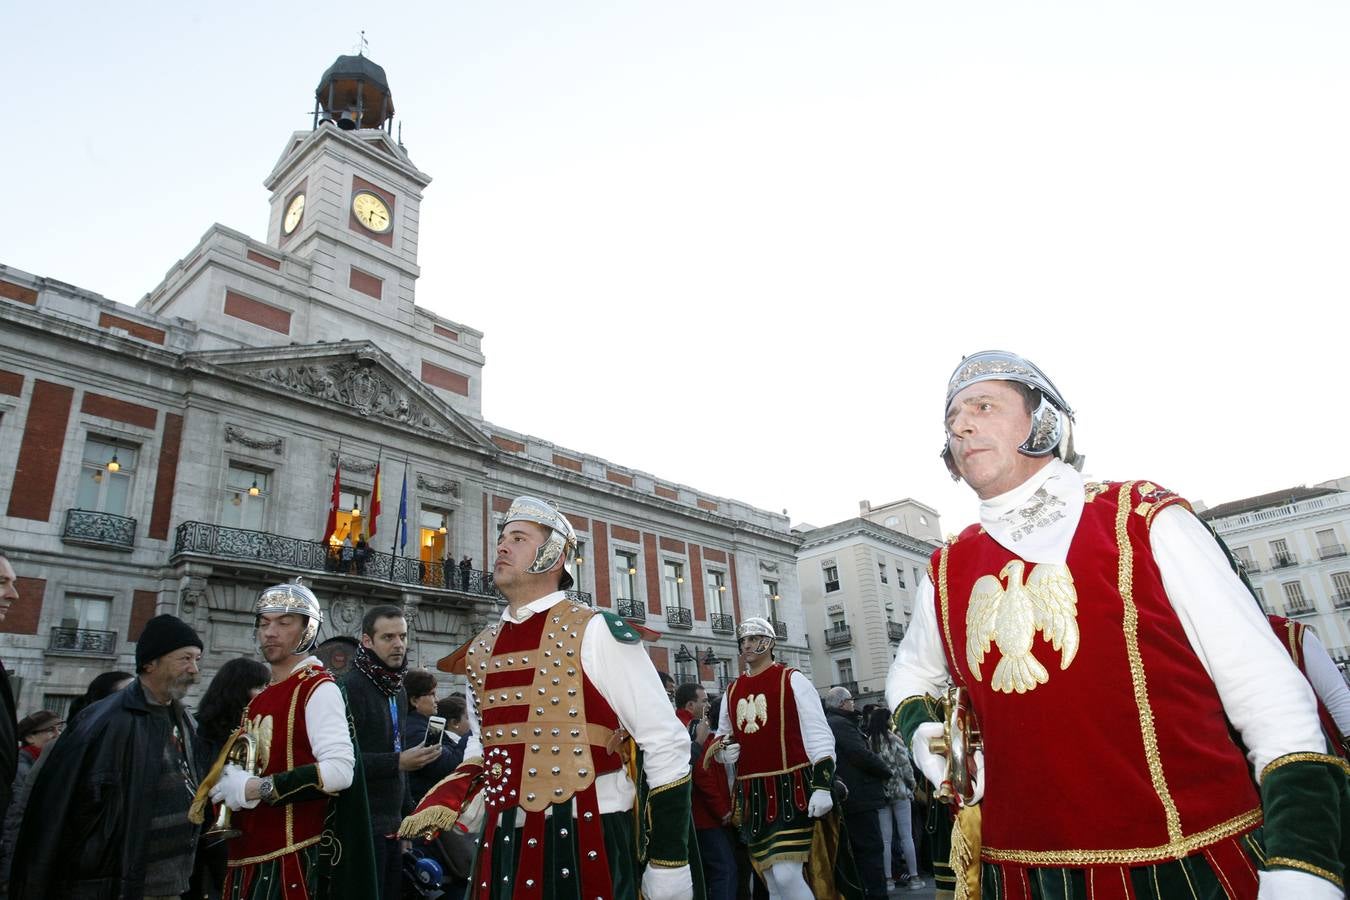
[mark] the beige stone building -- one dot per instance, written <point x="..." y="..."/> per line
<point x="1294" y="545"/>
<point x="179" y="455"/>
<point x="857" y="580"/>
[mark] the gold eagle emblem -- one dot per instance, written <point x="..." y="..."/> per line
<point x="752" y="712"/>
<point x="261" y="729"/>
<point x="1010" y="618"/>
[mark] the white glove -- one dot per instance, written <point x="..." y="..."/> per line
<point x="1291" y="884"/>
<point x="820" y="803"/>
<point x="667" y="884"/>
<point x="727" y="754"/>
<point x="230" y="788"/>
<point x="934" y="766"/>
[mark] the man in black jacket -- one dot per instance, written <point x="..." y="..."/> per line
<point x="114" y="792"/>
<point x="379" y="708"/>
<point x="865" y="775"/>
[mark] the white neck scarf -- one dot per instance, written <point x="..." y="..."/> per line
<point x="1038" y="518"/>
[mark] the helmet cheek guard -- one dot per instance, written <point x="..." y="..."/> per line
<point x="1051" y="429"/>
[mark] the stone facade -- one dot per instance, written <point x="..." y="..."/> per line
<point x="132" y="435"/>
<point x="1293" y="546"/>
<point x="858" y="580"/>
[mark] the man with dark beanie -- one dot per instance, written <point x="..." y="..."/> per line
<point x="379" y="707"/>
<point x="114" y="791"/>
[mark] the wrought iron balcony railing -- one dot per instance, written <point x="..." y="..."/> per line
<point x="1250" y="566"/>
<point x="1284" y="560"/>
<point x="679" y="617"/>
<point x="838" y="637"/>
<point x="722" y="623"/>
<point x="895" y="631"/>
<point x="1341" y="599"/>
<point x="1300" y="609"/>
<point x="1330" y="551"/>
<point x="780" y="628"/>
<point x="83" y="641"/>
<point x="99" y="529"/>
<point x="632" y="609"/>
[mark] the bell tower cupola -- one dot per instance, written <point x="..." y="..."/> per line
<point x="354" y="94"/>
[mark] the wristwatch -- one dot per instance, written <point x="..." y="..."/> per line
<point x="267" y="792"/>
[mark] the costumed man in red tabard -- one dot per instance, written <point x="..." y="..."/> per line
<point x="1107" y="647"/>
<point x="301" y="814"/>
<point x="576" y="765"/>
<point x="1312" y="659"/>
<point x="772" y="728"/>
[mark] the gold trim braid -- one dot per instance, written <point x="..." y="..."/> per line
<point x="943" y="602"/>
<point x="1287" y="863"/>
<point x="1290" y="758"/>
<point x="1125" y="585"/>
<point x="1175" y="849"/>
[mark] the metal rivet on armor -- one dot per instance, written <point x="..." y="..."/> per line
<point x="543" y="671"/>
<point x="576" y="732"/>
<point x="548" y="652"/>
<point x="524" y="660"/>
<point x="552" y="635"/>
<point x="553" y="700"/>
<point x="538" y="731"/>
<point x="557" y="681"/>
<point x="556" y="770"/>
<point x="562" y="832"/>
<point x="519" y="695"/>
<point x="628" y="634"/>
<point x="559" y="645"/>
<point x="506" y="839"/>
<point x="564" y="628"/>
<point x="592" y="854"/>
<point x="510" y="660"/>
<point x="588" y="816"/>
<point x="571" y="692"/>
<point x="566" y="873"/>
<point x="503" y="696"/>
<point x="533" y="772"/>
<point x="471" y="651"/>
<point x="538" y="710"/>
<point x="515" y="732"/>
<point x="557" y="792"/>
<point x="558" y="664"/>
<point x="534" y="748"/>
<point x="572" y="713"/>
<point x="569" y="653"/>
<point x="541" y="692"/>
<point x="529" y="882"/>
<point x="556" y="620"/>
<point x="556" y="749"/>
<point x="529" y="796"/>
<point x="577" y="751"/>
<point x="532" y="842"/>
<point x="499" y="732"/>
<point x="496" y="664"/>
<point x="581" y="772"/>
<point x="571" y="672"/>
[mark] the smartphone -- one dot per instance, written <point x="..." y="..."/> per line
<point x="435" y="729"/>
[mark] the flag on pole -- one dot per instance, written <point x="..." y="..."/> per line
<point x="374" y="519"/>
<point x="401" y="536"/>
<point x="331" y="527"/>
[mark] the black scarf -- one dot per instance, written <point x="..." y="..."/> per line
<point x="389" y="681"/>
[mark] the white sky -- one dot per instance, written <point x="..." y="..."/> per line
<point x="764" y="233"/>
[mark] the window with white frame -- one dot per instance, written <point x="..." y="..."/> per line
<point x="246" y="493"/>
<point x="1340" y="583"/>
<point x="900" y="576"/>
<point x="625" y="575"/>
<point x="86" y="612"/>
<point x="845" y="669"/>
<point x="672" y="578"/>
<point x="831" y="573"/>
<point x="714" y="587"/>
<point x="769" y="590"/>
<point x="1261" y="598"/>
<point x="1293" y="593"/>
<point x="107" y="472"/>
<point x="881" y="572"/>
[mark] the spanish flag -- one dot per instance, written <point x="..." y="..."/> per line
<point x="375" y="503"/>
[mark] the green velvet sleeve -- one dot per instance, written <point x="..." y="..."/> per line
<point x="669" y="812"/>
<point x="300" y="783"/>
<point x="913" y="712"/>
<point x="822" y="774"/>
<point x="1304" y="797"/>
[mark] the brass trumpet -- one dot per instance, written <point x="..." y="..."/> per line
<point x="243" y="752"/>
<point x="960" y="739"/>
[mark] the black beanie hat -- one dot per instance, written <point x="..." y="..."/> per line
<point x="164" y="634"/>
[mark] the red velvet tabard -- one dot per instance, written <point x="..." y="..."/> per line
<point x="1290" y="634"/>
<point x="1123" y="757"/>
<point x="271" y="831"/>
<point x="776" y="743"/>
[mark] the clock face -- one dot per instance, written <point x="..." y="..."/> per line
<point x="294" y="211"/>
<point x="372" y="212"/>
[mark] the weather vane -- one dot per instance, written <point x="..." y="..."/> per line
<point x="361" y="45"/>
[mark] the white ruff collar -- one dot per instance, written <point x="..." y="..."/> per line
<point x="1037" y="519"/>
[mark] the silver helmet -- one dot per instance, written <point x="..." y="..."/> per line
<point x="562" y="539"/>
<point x="295" y="598"/>
<point x="1051" y="422"/>
<point x="756" y="626"/>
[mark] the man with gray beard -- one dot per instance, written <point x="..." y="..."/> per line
<point x="114" y="792"/>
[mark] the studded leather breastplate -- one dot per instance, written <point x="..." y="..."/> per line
<point x="545" y="728"/>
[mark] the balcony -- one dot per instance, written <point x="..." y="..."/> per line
<point x="82" y="642"/>
<point x="679" y="617"/>
<point x="831" y="587"/>
<point x="838" y="637"/>
<point x="295" y="555"/>
<point x="895" y="631"/>
<point x="1300" y="609"/>
<point x="1341" y="599"/>
<point x="632" y="609"/>
<point x="1249" y="566"/>
<point x="722" y="623"/>
<point x="99" y="529"/>
<point x="1330" y="551"/>
<point x="1283" y="561"/>
<point x="780" y="629"/>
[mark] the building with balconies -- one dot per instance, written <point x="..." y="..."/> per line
<point x="179" y="455"/>
<point x="1292" y="545"/>
<point x="857" y="580"/>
